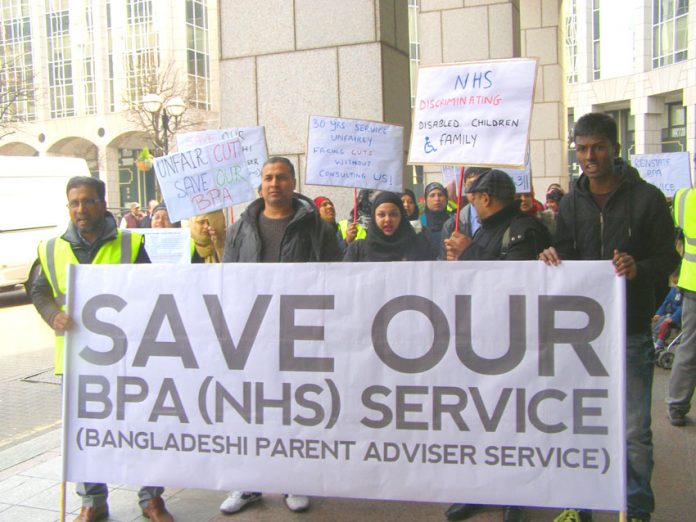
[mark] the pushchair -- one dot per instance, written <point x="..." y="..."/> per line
<point x="664" y="357"/>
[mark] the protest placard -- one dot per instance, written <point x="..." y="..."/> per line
<point x="450" y="174"/>
<point x="522" y="178"/>
<point x="355" y="153"/>
<point x="509" y="379"/>
<point x="669" y="171"/>
<point x="253" y="145"/>
<point x="475" y="113"/>
<point x="167" y="245"/>
<point x="203" y="179"/>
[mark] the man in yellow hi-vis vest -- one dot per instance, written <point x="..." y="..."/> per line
<point x="683" y="379"/>
<point x="92" y="237"/>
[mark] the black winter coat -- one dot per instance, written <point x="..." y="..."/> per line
<point x="527" y="237"/>
<point x="635" y="220"/>
<point x="307" y="237"/>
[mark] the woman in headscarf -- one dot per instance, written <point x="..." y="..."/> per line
<point x="390" y="237"/>
<point x="408" y="198"/>
<point x="160" y="218"/>
<point x="434" y="215"/>
<point x="208" y="234"/>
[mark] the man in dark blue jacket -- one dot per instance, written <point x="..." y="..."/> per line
<point x="613" y="214"/>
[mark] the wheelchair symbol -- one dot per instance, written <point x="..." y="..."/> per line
<point x="428" y="147"/>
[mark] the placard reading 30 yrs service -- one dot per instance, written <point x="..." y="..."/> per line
<point x="355" y="153"/>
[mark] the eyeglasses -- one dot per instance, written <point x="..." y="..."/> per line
<point x="83" y="202"/>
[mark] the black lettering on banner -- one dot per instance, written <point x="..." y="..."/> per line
<point x="123" y="396"/>
<point x="368" y="402"/>
<point x="100" y="395"/>
<point x="113" y="332"/>
<point x="165" y="308"/>
<point x="168" y="389"/>
<point x="291" y="332"/>
<point x="380" y="327"/>
<point x="236" y="357"/>
<point x="518" y="338"/>
<point x="578" y="338"/>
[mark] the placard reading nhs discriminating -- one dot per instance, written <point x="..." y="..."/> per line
<point x="668" y="172"/>
<point x="506" y="385"/>
<point x="204" y="179"/>
<point x="253" y="145"/>
<point x="475" y="113"/>
<point x="355" y="153"/>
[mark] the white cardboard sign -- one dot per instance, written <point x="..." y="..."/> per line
<point x="253" y="145"/>
<point x="167" y="245"/>
<point x="475" y="113"/>
<point x="203" y="179"/>
<point x="355" y="153"/>
<point x="236" y="376"/>
<point x="668" y="172"/>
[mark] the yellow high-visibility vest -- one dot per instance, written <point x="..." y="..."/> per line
<point x="56" y="254"/>
<point x="343" y="227"/>
<point x="685" y="218"/>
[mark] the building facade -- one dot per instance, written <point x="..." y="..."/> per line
<point x="75" y="71"/>
<point x="637" y="61"/>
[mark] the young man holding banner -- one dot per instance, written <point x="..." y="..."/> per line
<point x="613" y="214"/>
<point x="280" y="226"/>
<point x="92" y="237"/>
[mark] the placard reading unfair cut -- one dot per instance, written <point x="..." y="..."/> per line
<point x="506" y="384"/>
<point x="355" y="153"/>
<point x="253" y="145"/>
<point x="475" y="113"/>
<point x="203" y="179"/>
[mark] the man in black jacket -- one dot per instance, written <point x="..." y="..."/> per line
<point x="613" y="214"/>
<point x="280" y="226"/>
<point x="505" y="234"/>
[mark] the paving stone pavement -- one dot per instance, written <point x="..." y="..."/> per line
<point x="28" y="388"/>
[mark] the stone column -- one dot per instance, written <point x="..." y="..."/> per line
<point x="283" y="61"/>
<point x="647" y="111"/>
<point x="542" y="37"/>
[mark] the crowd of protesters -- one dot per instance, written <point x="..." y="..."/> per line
<point x="610" y="213"/>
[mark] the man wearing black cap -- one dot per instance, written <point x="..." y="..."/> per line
<point x="505" y="234"/>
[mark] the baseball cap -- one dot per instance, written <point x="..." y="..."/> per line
<point x="494" y="183"/>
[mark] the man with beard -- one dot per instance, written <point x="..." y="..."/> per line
<point x="92" y="237"/>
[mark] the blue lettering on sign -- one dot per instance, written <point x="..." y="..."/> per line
<point x="479" y="80"/>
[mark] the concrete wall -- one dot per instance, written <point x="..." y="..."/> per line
<point x="282" y="61"/>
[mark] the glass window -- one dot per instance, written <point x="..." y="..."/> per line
<point x="198" y="53"/>
<point x="670" y="31"/>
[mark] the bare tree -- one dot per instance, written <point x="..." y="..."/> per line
<point x="17" y="94"/>
<point x="160" y="126"/>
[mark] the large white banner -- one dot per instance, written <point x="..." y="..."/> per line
<point x="504" y="386"/>
<point x="475" y="113"/>
<point x="355" y="153"/>
<point x="203" y="179"/>
<point x="253" y="145"/>
<point x="669" y="171"/>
